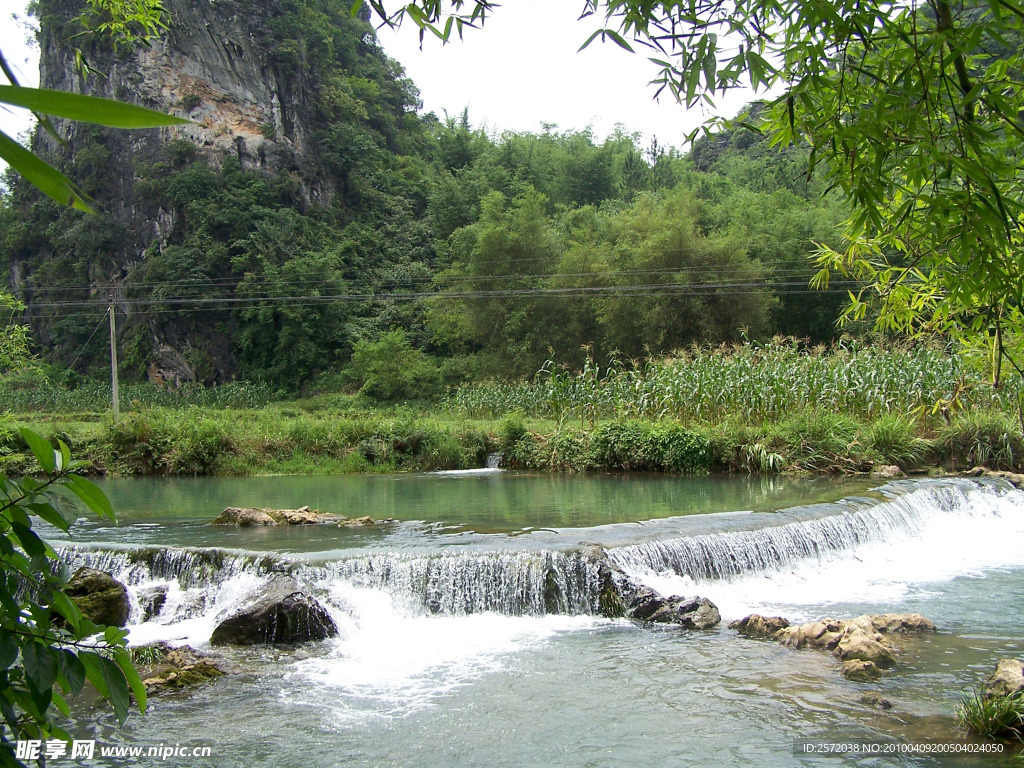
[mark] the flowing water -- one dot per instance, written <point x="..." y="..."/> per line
<point x="469" y="633"/>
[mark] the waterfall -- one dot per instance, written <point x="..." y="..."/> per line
<point x="935" y="521"/>
<point x="511" y="583"/>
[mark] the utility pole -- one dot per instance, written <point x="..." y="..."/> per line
<point x="113" y="362"/>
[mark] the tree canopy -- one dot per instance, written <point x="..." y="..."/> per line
<point x="911" y="110"/>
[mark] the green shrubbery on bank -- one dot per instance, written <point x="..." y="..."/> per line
<point x="312" y="439"/>
<point x="747" y="408"/>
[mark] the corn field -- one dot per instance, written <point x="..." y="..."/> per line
<point x="749" y="382"/>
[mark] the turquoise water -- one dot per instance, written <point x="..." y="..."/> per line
<point x="494" y="682"/>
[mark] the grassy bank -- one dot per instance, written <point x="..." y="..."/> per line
<point x="743" y="409"/>
<point x="286" y="439"/>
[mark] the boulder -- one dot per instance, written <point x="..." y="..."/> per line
<point x="360" y="522"/>
<point x="1013" y="478"/>
<point x="283" y="614"/>
<point x="860" y="671"/>
<point x="100" y="597"/>
<point x="817" y="634"/>
<point x="760" y="627"/>
<point x="863" y="644"/>
<point x="1007" y="680"/>
<point x="907" y="623"/>
<point x="688" y="612"/>
<point x="856" y="644"/>
<point x="610" y="579"/>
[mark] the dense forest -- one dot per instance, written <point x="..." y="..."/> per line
<point x="439" y="250"/>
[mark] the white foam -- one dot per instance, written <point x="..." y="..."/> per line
<point x="390" y="662"/>
<point x="962" y="542"/>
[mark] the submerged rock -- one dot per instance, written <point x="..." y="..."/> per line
<point x="688" y="612"/>
<point x="283" y="614"/>
<point x="100" y="597"/>
<point x="877" y="700"/>
<point x="1007" y="680"/>
<point x="860" y="671"/>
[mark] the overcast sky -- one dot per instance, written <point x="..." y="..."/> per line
<point x="522" y="71"/>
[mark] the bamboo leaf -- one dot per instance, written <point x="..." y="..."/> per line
<point x="87" y="109"/>
<point x="46" y="178"/>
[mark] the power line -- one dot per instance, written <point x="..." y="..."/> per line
<point x="569" y="292"/>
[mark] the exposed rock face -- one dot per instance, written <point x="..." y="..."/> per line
<point x="1007" y="680"/>
<point x="216" y="65"/>
<point x="100" y="597"/>
<point x="863" y="644"/>
<point x="283" y="614"/>
<point x="240" y="72"/>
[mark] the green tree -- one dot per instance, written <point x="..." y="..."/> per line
<point x="911" y="111"/>
<point x="15" y="354"/>
<point x="47" y="648"/>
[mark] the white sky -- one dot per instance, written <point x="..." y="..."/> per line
<point x="517" y="74"/>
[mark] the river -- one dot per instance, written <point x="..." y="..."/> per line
<point x="452" y="651"/>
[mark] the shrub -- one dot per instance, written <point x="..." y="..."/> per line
<point x="992" y="717"/>
<point x="983" y="438"/>
<point x="894" y="439"/>
<point x="390" y="369"/>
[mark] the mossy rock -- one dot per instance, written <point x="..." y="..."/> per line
<point x="100" y="597"/>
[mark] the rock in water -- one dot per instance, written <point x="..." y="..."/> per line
<point x="1007" y="680"/>
<point x="688" y="612"/>
<point x="284" y="614"/>
<point x="244" y="517"/>
<point x="100" y="597"/>
<point x="151" y="601"/>
<point x="860" y="671"/>
<point x="762" y="627"/>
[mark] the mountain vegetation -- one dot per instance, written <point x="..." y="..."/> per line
<point x="475" y="256"/>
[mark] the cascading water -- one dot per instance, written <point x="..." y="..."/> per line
<point x="514" y="582"/>
<point x="455" y="636"/>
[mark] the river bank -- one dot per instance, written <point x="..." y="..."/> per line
<point x="333" y="435"/>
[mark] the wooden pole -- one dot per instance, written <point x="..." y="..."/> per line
<point x="113" y="364"/>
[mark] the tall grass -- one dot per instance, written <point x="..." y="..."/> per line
<point x="749" y="382"/>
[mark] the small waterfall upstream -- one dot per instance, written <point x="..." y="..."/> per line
<point x="210" y="583"/>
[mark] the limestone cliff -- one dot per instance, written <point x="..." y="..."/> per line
<point x="283" y="89"/>
<point x="219" y="64"/>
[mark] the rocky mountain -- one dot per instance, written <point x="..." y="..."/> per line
<point x="293" y="95"/>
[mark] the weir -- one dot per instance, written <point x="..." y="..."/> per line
<point x="525" y="582"/>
